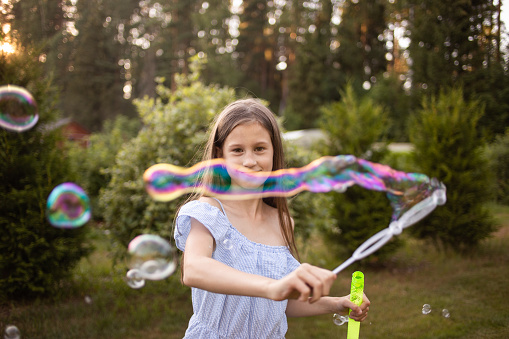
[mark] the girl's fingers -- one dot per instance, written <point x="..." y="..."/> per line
<point x="318" y="279"/>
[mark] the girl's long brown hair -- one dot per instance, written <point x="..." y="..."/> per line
<point x="241" y="112"/>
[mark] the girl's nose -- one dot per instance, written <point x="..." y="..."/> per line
<point x="249" y="160"/>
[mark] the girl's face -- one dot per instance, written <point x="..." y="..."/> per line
<point x="248" y="148"/>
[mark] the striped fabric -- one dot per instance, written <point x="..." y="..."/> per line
<point x="231" y="316"/>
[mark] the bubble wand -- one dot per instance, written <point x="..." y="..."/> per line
<point x="356" y="296"/>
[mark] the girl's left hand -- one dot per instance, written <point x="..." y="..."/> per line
<point x="359" y="313"/>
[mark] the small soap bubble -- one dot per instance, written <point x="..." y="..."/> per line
<point x="339" y="319"/>
<point x="18" y="109"/>
<point x="88" y="299"/>
<point x="12" y="332"/>
<point x="134" y="279"/>
<point x="228" y="244"/>
<point x="152" y="256"/>
<point x="445" y="313"/>
<point x="426" y="309"/>
<point x="68" y="206"/>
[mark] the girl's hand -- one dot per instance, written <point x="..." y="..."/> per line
<point x="306" y="283"/>
<point x="359" y="313"/>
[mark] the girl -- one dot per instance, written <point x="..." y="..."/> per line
<point x="240" y="255"/>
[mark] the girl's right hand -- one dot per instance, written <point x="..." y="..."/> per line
<point x="306" y="283"/>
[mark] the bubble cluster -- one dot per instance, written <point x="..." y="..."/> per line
<point x="339" y="319"/>
<point x="445" y="313"/>
<point x="12" y="332"/>
<point x="68" y="206"/>
<point x="426" y="309"/>
<point x="152" y="256"/>
<point x="18" y="109"/>
<point x="134" y="279"/>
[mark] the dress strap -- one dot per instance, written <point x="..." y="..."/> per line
<point x="220" y="204"/>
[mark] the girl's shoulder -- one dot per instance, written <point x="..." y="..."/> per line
<point x="210" y="201"/>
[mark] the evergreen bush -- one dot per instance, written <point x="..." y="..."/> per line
<point x="497" y="154"/>
<point x="35" y="258"/>
<point x="448" y="146"/>
<point x="353" y="126"/>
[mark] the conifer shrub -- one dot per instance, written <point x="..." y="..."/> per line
<point x="448" y="146"/>
<point x="497" y="154"/>
<point x="35" y="258"/>
<point x="353" y="125"/>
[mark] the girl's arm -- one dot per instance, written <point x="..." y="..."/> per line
<point x="329" y="305"/>
<point x="203" y="272"/>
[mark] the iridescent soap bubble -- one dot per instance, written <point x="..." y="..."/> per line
<point x="11" y="332"/>
<point x="228" y="244"/>
<point x="88" y="299"/>
<point x="339" y="319"/>
<point x="68" y="206"/>
<point x="153" y="256"/>
<point x="134" y="279"/>
<point x="445" y="313"/>
<point x="18" y="109"/>
<point x="426" y="309"/>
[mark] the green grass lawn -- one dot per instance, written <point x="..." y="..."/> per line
<point x="473" y="289"/>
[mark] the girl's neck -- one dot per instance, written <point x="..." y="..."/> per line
<point x="252" y="208"/>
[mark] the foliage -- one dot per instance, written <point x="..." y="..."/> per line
<point x="310" y="211"/>
<point x="90" y="163"/>
<point x="174" y="129"/>
<point x="497" y="154"/>
<point x="389" y="92"/>
<point x="449" y="147"/>
<point x="35" y="258"/>
<point x="353" y="125"/>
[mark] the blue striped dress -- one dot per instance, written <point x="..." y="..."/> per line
<point x="232" y="316"/>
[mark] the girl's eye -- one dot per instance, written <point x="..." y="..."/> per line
<point x="237" y="150"/>
<point x="259" y="149"/>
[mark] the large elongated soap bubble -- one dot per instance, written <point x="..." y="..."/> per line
<point x="411" y="195"/>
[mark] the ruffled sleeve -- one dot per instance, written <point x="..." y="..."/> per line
<point x="209" y="216"/>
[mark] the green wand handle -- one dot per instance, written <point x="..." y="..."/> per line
<point x="356" y="294"/>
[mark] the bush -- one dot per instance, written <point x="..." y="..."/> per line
<point x="497" y="154"/>
<point x="90" y="163"/>
<point x="353" y="125"/>
<point x="449" y="147"/>
<point x="174" y="128"/>
<point x="34" y="257"/>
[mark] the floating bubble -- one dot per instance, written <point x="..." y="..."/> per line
<point x="134" y="279"/>
<point x="426" y="309"/>
<point x="227" y="244"/>
<point x="88" y="299"/>
<point x="339" y="319"/>
<point x="445" y="313"/>
<point x="153" y="256"/>
<point x="412" y="195"/>
<point x="18" y="109"/>
<point x="68" y="206"/>
<point x="12" y="332"/>
<point x="165" y="182"/>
